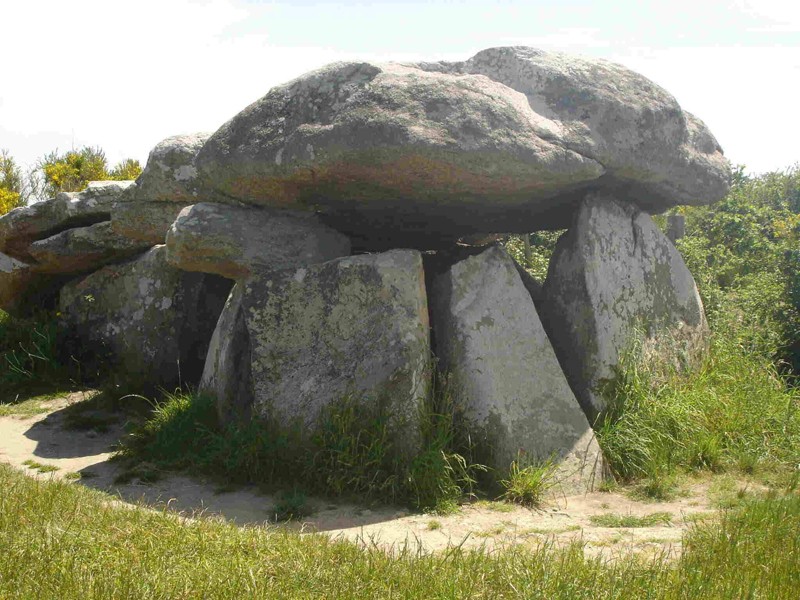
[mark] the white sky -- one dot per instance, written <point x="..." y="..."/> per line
<point x="123" y="74"/>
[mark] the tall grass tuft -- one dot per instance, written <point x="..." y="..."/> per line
<point x="734" y="412"/>
<point x="29" y="357"/>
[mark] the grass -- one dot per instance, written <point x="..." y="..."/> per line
<point x="65" y="541"/>
<point x="291" y="506"/>
<point x="351" y="454"/>
<point x="735" y="414"/>
<point x="549" y="530"/>
<point x="40" y="467"/>
<point x="29" y="358"/>
<point x="528" y="485"/>
<point x="617" y="520"/>
<point x="495" y="506"/>
<point x="433" y="525"/>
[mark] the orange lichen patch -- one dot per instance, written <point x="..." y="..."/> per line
<point x="391" y="175"/>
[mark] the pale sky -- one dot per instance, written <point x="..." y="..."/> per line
<point x="123" y="74"/>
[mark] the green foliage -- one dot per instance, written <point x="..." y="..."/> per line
<point x="73" y="170"/>
<point x="351" y="453"/>
<point x="291" y="505"/>
<point x="527" y="485"/>
<point x="62" y="540"/>
<point x="10" y="183"/>
<point x="615" y="520"/>
<point x="444" y="472"/>
<point x="735" y="410"/>
<point x="542" y="245"/>
<point x="128" y="170"/>
<point x="29" y="357"/>
<point x="744" y="253"/>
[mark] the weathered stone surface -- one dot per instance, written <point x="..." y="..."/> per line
<point x="145" y="221"/>
<point x="515" y="399"/>
<point x="22" y="226"/>
<point x="234" y="241"/>
<point x="293" y="344"/>
<point x="615" y="282"/>
<point x="82" y="249"/>
<point x="507" y="141"/>
<point x="170" y="174"/>
<point x="149" y="320"/>
<point x="15" y="280"/>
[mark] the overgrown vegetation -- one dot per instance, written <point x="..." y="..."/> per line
<point x="740" y="411"/>
<point x="65" y="541"/>
<point x="71" y="171"/>
<point x="55" y="172"/>
<point x="29" y="360"/>
<point x="527" y="484"/>
<point x="352" y="452"/>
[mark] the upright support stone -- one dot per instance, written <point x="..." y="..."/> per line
<point x="293" y="345"/>
<point x="616" y="282"/>
<point x="516" y="402"/>
<point x="149" y="322"/>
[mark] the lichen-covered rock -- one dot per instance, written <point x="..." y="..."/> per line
<point x="513" y="396"/>
<point x="292" y="345"/>
<point x="82" y="249"/>
<point x="143" y="320"/>
<point x="170" y="174"/>
<point x="236" y="241"/>
<point x="144" y="221"/>
<point x="510" y="140"/>
<point x="22" y="226"/>
<point x="615" y="284"/>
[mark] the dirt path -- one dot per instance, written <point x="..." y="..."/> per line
<point x="41" y="442"/>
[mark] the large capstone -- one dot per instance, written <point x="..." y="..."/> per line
<point x="617" y="286"/>
<point x="236" y="241"/>
<point x="143" y="321"/>
<point x="422" y="154"/>
<point x="511" y="393"/>
<point x="293" y="346"/>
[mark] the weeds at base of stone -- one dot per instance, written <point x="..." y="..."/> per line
<point x="291" y="506"/>
<point x="528" y="485"/>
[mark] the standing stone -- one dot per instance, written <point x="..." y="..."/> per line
<point x="235" y="241"/>
<point x="616" y="282"/>
<point x="293" y="344"/>
<point x="152" y="321"/>
<point x="516" y="402"/>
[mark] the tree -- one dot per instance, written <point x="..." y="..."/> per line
<point x="73" y="170"/>
<point x="11" y="187"/>
<point x="126" y="170"/>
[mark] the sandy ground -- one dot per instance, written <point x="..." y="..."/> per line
<point x="42" y="438"/>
